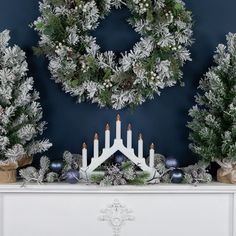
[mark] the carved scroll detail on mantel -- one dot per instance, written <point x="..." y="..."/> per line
<point x="116" y="215"/>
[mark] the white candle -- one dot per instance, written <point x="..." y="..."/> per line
<point x="118" y="127"/>
<point x="84" y="156"/>
<point x="107" y="136"/>
<point x="129" y="137"/>
<point x="140" y="146"/>
<point x="96" y="146"/>
<point x="151" y="156"/>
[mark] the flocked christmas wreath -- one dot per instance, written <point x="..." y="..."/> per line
<point x="85" y="72"/>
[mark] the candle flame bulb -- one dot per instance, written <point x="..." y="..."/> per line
<point x="107" y="136"/>
<point x="129" y="127"/>
<point x="140" y="146"/>
<point x="118" y="117"/>
<point x="84" y="156"/>
<point x="96" y="146"/>
<point x="129" y="137"/>
<point x="118" y="127"/>
<point x="96" y="136"/>
<point x="151" y="156"/>
<point x="107" y="127"/>
<point x="152" y="146"/>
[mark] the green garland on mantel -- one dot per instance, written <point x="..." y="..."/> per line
<point x="75" y="59"/>
<point x="114" y="174"/>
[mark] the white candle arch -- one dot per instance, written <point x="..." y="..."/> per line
<point x="118" y="145"/>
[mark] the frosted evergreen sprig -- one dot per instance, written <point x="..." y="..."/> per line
<point x="197" y="173"/>
<point x="44" y="174"/>
<point x="71" y="162"/>
<point x="193" y="174"/>
<point x="31" y="174"/>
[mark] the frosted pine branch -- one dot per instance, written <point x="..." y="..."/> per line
<point x="39" y="146"/>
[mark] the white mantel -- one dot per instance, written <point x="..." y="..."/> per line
<point x="89" y="210"/>
<point x="214" y="187"/>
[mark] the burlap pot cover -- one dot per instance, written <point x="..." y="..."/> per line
<point x="7" y="176"/>
<point x="227" y="176"/>
<point x="8" y="169"/>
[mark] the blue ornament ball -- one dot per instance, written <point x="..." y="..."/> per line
<point x="177" y="176"/>
<point x="56" y="166"/>
<point x="72" y="176"/>
<point x="171" y="162"/>
<point x="120" y="158"/>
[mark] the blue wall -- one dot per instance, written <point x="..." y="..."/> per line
<point x="162" y="120"/>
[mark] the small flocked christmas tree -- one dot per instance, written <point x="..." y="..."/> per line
<point x="20" y="111"/>
<point x="213" y="125"/>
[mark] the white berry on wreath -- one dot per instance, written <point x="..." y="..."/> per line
<point x="75" y="59"/>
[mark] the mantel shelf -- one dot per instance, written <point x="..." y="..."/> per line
<point x="83" y="188"/>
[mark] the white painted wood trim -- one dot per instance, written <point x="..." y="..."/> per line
<point x="234" y="215"/>
<point x="1" y="214"/>
<point x="150" y="189"/>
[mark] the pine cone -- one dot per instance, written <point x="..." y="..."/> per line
<point x="71" y="3"/>
<point x="128" y="83"/>
<point x="129" y="174"/>
<point x="107" y="181"/>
